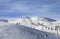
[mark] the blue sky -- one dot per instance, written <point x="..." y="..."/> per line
<point x="16" y="8"/>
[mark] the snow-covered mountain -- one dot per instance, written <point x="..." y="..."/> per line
<point x="3" y="20"/>
<point x="35" y="20"/>
<point x="34" y="25"/>
<point x="46" y="24"/>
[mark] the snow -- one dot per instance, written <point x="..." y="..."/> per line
<point x="22" y="32"/>
<point x="37" y="23"/>
<point x="29" y="28"/>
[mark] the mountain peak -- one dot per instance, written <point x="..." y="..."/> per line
<point x="41" y="18"/>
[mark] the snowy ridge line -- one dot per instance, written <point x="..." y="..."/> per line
<point x="44" y="28"/>
<point x="39" y="23"/>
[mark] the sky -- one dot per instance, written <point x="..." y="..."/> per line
<point x="17" y="8"/>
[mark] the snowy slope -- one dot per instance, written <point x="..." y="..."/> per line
<point x="39" y="23"/>
<point x="29" y="28"/>
<point x="22" y="32"/>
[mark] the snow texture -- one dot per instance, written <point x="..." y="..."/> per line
<point x="22" y="32"/>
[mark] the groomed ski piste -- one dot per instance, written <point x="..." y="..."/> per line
<point x="29" y="28"/>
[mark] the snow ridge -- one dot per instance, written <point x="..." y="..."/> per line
<point x="30" y="28"/>
<point x="39" y="23"/>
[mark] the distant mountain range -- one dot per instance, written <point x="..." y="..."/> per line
<point x="3" y="20"/>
